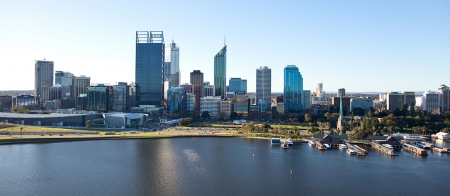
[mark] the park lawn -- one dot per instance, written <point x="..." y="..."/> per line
<point x="290" y="126"/>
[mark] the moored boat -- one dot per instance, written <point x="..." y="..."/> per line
<point x="290" y="142"/>
<point x="327" y="146"/>
<point x="284" y="145"/>
<point x="342" y="146"/>
<point x="311" y="143"/>
<point x="351" y="152"/>
<point x="440" y="150"/>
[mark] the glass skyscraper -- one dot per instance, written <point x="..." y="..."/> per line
<point x="43" y="79"/>
<point x="176" y="99"/>
<point x="264" y="85"/>
<point x="149" y="67"/>
<point x="237" y="85"/>
<point x="293" y="88"/>
<point x="220" y="72"/>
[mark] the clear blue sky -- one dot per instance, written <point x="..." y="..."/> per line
<point x="357" y="45"/>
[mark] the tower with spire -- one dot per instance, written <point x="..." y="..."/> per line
<point x="341" y="121"/>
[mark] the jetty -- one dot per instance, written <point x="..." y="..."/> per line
<point x="383" y="149"/>
<point x="414" y="149"/>
<point x="320" y="146"/>
<point x="359" y="151"/>
<point x="428" y="144"/>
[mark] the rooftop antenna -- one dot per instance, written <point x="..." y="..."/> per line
<point x="44" y="57"/>
<point x="224" y="40"/>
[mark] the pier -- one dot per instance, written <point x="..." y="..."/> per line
<point x="320" y="146"/>
<point x="428" y="144"/>
<point x="383" y="149"/>
<point x="414" y="149"/>
<point x="359" y="151"/>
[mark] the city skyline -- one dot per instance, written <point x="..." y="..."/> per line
<point x="362" y="47"/>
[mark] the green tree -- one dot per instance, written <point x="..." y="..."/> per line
<point x="205" y="115"/>
<point x="308" y="117"/>
<point x="89" y="123"/>
<point x="233" y="116"/>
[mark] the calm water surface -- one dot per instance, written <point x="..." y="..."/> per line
<point x="213" y="166"/>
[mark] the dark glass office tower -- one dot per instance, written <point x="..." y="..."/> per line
<point x="149" y="67"/>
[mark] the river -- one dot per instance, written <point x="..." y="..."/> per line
<point x="213" y="166"/>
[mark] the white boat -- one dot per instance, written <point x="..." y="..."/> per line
<point x="441" y="135"/>
<point x="440" y="150"/>
<point x="275" y="141"/>
<point x="351" y="152"/>
<point x="289" y="142"/>
<point x="388" y="146"/>
<point x="327" y="146"/>
<point x="311" y="143"/>
<point x="342" y="146"/>
<point x="284" y="145"/>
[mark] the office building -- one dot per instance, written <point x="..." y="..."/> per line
<point x="361" y="102"/>
<point x="25" y="100"/>
<point x="187" y="87"/>
<point x="120" y="97"/>
<point x="176" y="100"/>
<point x="190" y="102"/>
<point x="197" y="86"/>
<point x="237" y="85"/>
<point x="264" y="85"/>
<point x="209" y="90"/>
<point x="335" y="101"/>
<point x="241" y="104"/>
<point x="319" y="90"/>
<point x="149" y="73"/>
<point x="55" y="92"/>
<point x="432" y="102"/>
<point x="211" y="105"/>
<point x="220" y="72"/>
<point x="99" y="97"/>
<point x="445" y="97"/>
<point x="341" y="92"/>
<point x="80" y="85"/>
<point x="394" y="100"/>
<point x="306" y="100"/>
<point x="293" y="88"/>
<point x="226" y="108"/>
<point x="174" y="76"/>
<point x="43" y="79"/>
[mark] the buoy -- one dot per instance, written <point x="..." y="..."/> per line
<point x="253" y="154"/>
<point x="291" y="172"/>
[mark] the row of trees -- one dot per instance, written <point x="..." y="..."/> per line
<point x="251" y="128"/>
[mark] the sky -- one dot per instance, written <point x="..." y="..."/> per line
<point x="362" y="46"/>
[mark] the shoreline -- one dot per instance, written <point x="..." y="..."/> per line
<point x="74" y="139"/>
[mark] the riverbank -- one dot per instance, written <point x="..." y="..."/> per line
<point x="171" y="133"/>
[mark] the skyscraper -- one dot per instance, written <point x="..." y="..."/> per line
<point x="341" y="92"/>
<point x="445" y="95"/>
<point x="264" y="85"/>
<point x="197" y="86"/>
<point x="220" y="72"/>
<point x="237" y="85"/>
<point x="293" y="88"/>
<point x="319" y="89"/>
<point x="80" y="85"/>
<point x="149" y="67"/>
<point x="43" y="79"/>
<point x="174" y="64"/>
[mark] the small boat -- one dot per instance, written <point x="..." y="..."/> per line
<point x="342" y="146"/>
<point x="285" y="145"/>
<point x="327" y="146"/>
<point x="351" y="152"/>
<point x="388" y="146"/>
<point x="275" y="141"/>
<point x="289" y="142"/>
<point x="311" y="143"/>
<point x="439" y="150"/>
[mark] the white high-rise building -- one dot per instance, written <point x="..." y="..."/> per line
<point x="264" y="85"/>
<point x="319" y="90"/>
<point x="432" y="102"/>
<point x="212" y="105"/>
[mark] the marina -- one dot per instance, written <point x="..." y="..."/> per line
<point x="414" y="149"/>
<point x="358" y="150"/>
<point x="384" y="148"/>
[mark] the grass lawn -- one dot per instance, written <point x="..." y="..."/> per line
<point x="39" y="129"/>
